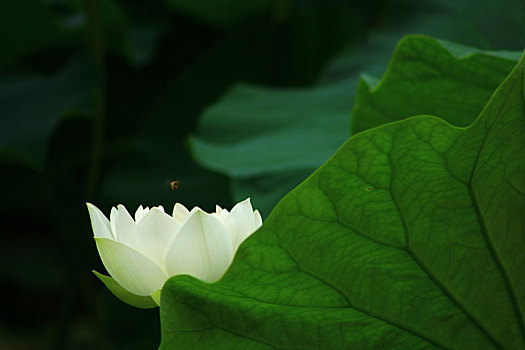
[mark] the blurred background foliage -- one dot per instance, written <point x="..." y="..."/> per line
<point x="107" y="101"/>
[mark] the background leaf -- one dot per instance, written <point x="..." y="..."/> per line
<point x="26" y="127"/>
<point x="410" y="236"/>
<point x="292" y="142"/>
<point x="20" y="39"/>
<point x="220" y="13"/>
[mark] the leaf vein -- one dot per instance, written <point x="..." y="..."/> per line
<point x="369" y="314"/>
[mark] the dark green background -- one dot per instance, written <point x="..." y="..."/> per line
<point x="98" y="99"/>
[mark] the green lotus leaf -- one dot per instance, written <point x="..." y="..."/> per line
<point x="411" y="236"/>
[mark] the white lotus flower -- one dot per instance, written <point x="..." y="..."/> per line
<point x="142" y="253"/>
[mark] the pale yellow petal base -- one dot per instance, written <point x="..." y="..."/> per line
<point x="156" y="296"/>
